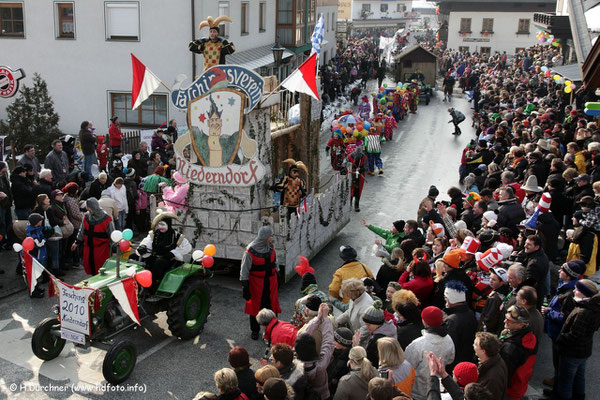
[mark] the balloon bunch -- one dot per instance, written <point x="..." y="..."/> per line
<point x="123" y="239"/>
<point x="545" y="37"/>
<point x="360" y="131"/>
<point x="569" y="87"/>
<point x="206" y="256"/>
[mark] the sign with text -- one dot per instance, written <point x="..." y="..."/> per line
<point x="9" y="81"/>
<point x="74" y="308"/>
<point x="345" y="9"/>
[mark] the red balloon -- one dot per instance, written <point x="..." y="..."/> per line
<point x="207" y="261"/>
<point x="124" y="245"/>
<point x="144" y="278"/>
<point x="359" y="127"/>
<point x="28" y="244"/>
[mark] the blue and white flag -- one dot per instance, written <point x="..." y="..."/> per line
<point x="317" y="36"/>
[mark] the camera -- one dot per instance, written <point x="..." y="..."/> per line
<point x="385" y="374"/>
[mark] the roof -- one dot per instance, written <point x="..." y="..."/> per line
<point x="256" y="57"/>
<point x="413" y="48"/>
<point x="591" y="68"/>
<point x="496" y="1"/>
<point x="571" y="72"/>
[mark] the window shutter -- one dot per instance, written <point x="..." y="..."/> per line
<point x="122" y="20"/>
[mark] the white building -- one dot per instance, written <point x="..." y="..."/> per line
<point x="366" y="14"/>
<point x="82" y="49"/>
<point x="329" y="9"/>
<point x="488" y="26"/>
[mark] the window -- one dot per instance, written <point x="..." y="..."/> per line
<point x="11" y="20"/>
<point x="523" y="26"/>
<point x="486" y="51"/>
<point x="122" y="20"/>
<point x="400" y="7"/>
<point x="383" y="7"/>
<point x="463" y="49"/>
<point x="152" y="112"/>
<point x="262" y="16"/>
<point x="285" y="12"/>
<point x="65" y="20"/>
<point x="487" y="25"/>
<point x="244" y="21"/>
<point x="366" y="7"/>
<point x="224" y="10"/>
<point x="333" y="24"/>
<point x="326" y="22"/>
<point x="465" y="25"/>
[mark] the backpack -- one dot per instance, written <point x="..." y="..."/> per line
<point x="460" y="117"/>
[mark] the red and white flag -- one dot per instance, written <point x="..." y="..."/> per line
<point x="144" y="83"/>
<point x="304" y="79"/>
<point x="302" y="208"/>
<point x="33" y="270"/>
<point x="126" y="294"/>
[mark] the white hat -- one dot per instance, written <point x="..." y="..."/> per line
<point x="505" y="249"/>
<point x="490" y="216"/>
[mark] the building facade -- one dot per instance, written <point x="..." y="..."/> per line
<point x="82" y="50"/>
<point x="489" y="26"/>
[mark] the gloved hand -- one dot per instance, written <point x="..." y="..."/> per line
<point x="142" y="250"/>
<point x="246" y="290"/>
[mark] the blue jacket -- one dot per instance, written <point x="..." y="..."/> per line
<point x="554" y="318"/>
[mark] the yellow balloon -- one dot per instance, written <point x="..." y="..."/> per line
<point x="398" y="88"/>
<point x="556" y="77"/>
<point x="210" y="250"/>
<point x="356" y="133"/>
<point x="568" y="89"/>
<point x="568" y="83"/>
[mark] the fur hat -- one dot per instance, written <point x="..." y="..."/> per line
<point x="432" y="316"/>
<point x="455" y="292"/>
<point x="347" y="253"/>
<point x="343" y="336"/>
<point x="374" y="314"/>
<point x="574" y="268"/>
<point x="587" y="287"/>
<point x="465" y="373"/>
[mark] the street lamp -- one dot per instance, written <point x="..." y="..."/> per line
<point x="277" y="50"/>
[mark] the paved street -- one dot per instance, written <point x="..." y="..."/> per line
<point x="422" y="153"/>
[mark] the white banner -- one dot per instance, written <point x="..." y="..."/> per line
<point x="74" y="308"/>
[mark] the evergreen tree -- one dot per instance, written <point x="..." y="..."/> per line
<point x="32" y="119"/>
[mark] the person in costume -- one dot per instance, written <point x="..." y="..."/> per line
<point x="364" y="108"/>
<point x="292" y="187"/>
<point x="389" y="125"/>
<point x="357" y="166"/>
<point x="94" y="233"/>
<point x="413" y="91"/>
<point x="213" y="48"/>
<point x="373" y="148"/>
<point x="174" y="197"/>
<point x="163" y="248"/>
<point x="335" y="145"/>
<point x="258" y="274"/>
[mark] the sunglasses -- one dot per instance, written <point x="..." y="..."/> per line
<point x="514" y="314"/>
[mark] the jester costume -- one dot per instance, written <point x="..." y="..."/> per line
<point x="213" y="51"/>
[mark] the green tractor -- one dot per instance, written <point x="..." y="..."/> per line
<point x="183" y="293"/>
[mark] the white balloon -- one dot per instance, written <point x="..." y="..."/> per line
<point x="197" y="255"/>
<point x="17" y="247"/>
<point x="115" y="236"/>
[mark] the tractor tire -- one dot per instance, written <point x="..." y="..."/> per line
<point x="44" y="344"/>
<point x="189" y="309"/>
<point x="119" y="362"/>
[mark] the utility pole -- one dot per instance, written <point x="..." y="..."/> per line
<point x="579" y="30"/>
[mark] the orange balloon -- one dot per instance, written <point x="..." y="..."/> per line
<point x="144" y="278"/>
<point x="210" y="250"/>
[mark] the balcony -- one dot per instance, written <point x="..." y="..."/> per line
<point x="557" y="25"/>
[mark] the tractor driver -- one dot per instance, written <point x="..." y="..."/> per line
<point x="163" y="248"/>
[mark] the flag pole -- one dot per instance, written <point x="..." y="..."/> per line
<point x="162" y="83"/>
<point x="270" y="93"/>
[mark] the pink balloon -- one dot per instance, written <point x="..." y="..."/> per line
<point x="207" y="261"/>
<point x="573" y="86"/>
<point x="28" y="244"/>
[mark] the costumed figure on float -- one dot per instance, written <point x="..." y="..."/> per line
<point x="292" y="187"/>
<point x="163" y="249"/>
<point x="258" y="274"/>
<point x="213" y="48"/>
<point x="174" y="197"/>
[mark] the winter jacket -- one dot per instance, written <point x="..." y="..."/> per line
<point x="536" y="323"/>
<point x="352" y="387"/>
<point x="351" y="269"/>
<point x="316" y="371"/>
<point x="408" y="332"/>
<point x="577" y="334"/>
<point x="388" y="329"/>
<point x="280" y="332"/>
<point x="58" y="163"/>
<point x="388" y="272"/>
<point x="96" y="188"/>
<point x="22" y="192"/>
<point x="420" y="286"/>
<point x="352" y="317"/>
<point x="338" y="367"/>
<point x="536" y="265"/>
<point x="403" y="376"/>
<point x="237" y="395"/>
<point x="88" y="142"/>
<point x="120" y="196"/>
<point x="441" y="346"/>
<point x="391" y="239"/>
<point x="492" y="317"/>
<point x="518" y="352"/>
<point x="510" y="214"/>
<point x="493" y="376"/>
<point x="246" y="381"/>
<point x="549" y="228"/>
<point x="584" y="247"/>
<point x="73" y="211"/>
<point x="294" y="376"/>
<point x="434" y="392"/>
<point x="33" y="161"/>
<point x="417" y="237"/>
<point x="140" y="166"/>
<point x="554" y="318"/>
<point x="461" y="326"/>
<point x="115" y="135"/>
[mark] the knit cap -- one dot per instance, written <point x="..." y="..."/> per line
<point x="432" y="316"/>
<point x="433" y="191"/>
<point x="343" y="336"/>
<point x="574" y="268"/>
<point x="35" y="218"/>
<point x="465" y="373"/>
<point x="238" y="357"/>
<point x="437" y="229"/>
<point x="587" y="287"/>
<point x="347" y="253"/>
<point x="313" y="302"/>
<point x="275" y="389"/>
<point x="306" y="348"/>
<point x="490" y="216"/>
<point x="399" y="225"/>
<point x="374" y="314"/>
<point x="453" y="258"/>
<point x="455" y="292"/>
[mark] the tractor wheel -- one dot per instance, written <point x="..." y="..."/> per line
<point x="119" y="362"/>
<point x="189" y="309"/>
<point x="45" y="345"/>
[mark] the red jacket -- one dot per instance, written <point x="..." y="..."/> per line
<point x="115" y="135"/>
<point x="518" y="352"/>
<point x="281" y="332"/>
<point x="420" y="286"/>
